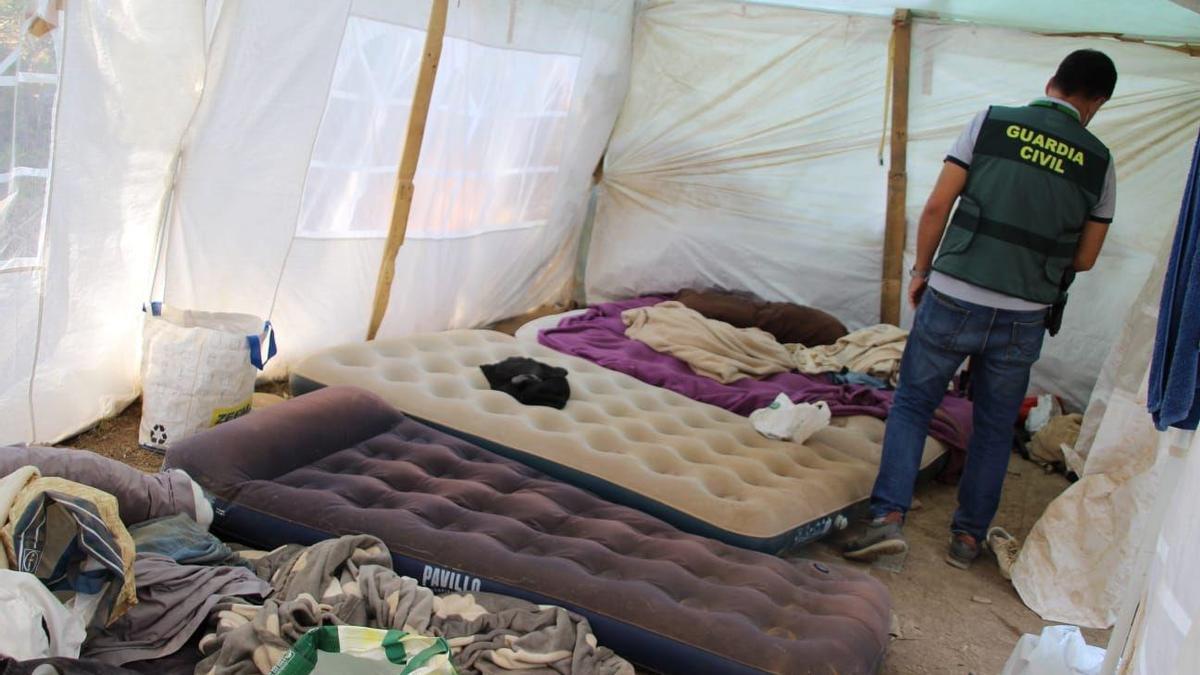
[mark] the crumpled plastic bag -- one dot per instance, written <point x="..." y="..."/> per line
<point x="787" y="421"/>
<point x="1047" y="407"/>
<point x="1059" y="650"/>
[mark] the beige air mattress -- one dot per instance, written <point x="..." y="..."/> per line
<point x="701" y="468"/>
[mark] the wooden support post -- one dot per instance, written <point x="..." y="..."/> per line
<point x="408" y="162"/>
<point x="896" y="228"/>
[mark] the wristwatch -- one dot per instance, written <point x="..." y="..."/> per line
<point x="918" y="274"/>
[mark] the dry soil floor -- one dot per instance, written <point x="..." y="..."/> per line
<point x="943" y="628"/>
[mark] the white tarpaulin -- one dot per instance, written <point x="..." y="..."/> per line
<point x="1166" y="632"/>
<point x="1081" y="555"/>
<point x="746" y="156"/>
<point x="288" y="172"/>
<point x="75" y="263"/>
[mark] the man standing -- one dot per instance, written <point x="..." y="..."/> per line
<point x="1036" y="192"/>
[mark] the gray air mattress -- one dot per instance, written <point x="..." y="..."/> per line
<point x="458" y="517"/>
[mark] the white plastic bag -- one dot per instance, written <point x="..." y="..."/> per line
<point x="198" y="370"/>
<point x="787" y="421"/>
<point x="1059" y="650"/>
<point x="36" y="625"/>
<point x="1047" y="407"/>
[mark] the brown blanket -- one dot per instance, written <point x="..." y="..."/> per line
<point x="789" y="323"/>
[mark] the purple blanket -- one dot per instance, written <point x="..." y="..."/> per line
<point x="598" y="335"/>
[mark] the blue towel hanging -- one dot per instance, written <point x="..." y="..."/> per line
<point x="1175" y="369"/>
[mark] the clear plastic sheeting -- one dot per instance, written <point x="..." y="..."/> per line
<point x="493" y="150"/>
<point x="77" y="259"/>
<point x="287" y="181"/>
<point x="746" y="158"/>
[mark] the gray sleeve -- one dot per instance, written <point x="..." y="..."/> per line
<point x="1107" y="206"/>
<point x="963" y="150"/>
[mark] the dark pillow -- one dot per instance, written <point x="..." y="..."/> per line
<point x="789" y="323"/>
<point x="732" y="308"/>
<point x="808" y="326"/>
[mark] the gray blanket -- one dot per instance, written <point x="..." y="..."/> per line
<point x="173" y="602"/>
<point x="350" y="581"/>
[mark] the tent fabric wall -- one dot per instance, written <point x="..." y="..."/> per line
<point x="1079" y="574"/>
<point x="261" y="204"/>
<point x="1149" y="125"/>
<point x="74" y="320"/>
<point x="746" y="157"/>
<point x="1166" y="631"/>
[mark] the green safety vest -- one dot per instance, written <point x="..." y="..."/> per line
<point x="1035" y="177"/>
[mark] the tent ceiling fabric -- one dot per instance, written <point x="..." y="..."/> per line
<point x="1161" y="19"/>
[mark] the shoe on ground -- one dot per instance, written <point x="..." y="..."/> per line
<point x="881" y="537"/>
<point x="1006" y="549"/>
<point x="964" y="549"/>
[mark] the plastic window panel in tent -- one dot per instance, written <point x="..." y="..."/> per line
<point x="28" y="95"/>
<point x="493" y="143"/>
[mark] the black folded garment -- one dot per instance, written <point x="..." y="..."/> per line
<point x="530" y="382"/>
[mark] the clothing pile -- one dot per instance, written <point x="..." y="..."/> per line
<point x="599" y="335"/>
<point x="350" y="581"/>
<point x="87" y="585"/>
<point x="530" y="382"/>
<point x="726" y="353"/>
<point x="105" y="568"/>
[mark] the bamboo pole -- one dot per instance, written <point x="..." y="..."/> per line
<point x="402" y="203"/>
<point x="896" y="228"/>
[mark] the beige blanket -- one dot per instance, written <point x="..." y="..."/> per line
<point x="712" y="348"/>
<point x="874" y="350"/>
<point x="718" y="350"/>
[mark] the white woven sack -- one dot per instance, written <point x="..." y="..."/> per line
<point x="198" y="370"/>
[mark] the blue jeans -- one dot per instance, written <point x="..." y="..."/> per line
<point x="945" y="331"/>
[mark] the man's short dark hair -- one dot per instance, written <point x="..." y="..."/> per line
<point x="1086" y="72"/>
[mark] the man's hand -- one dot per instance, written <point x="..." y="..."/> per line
<point x="916" y="288"/>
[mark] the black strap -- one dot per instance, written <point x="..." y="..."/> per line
<point x="1017" y="237"/>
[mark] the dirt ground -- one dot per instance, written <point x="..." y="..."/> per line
<point x="953" y="621"/>
<point x="944" y="627"/>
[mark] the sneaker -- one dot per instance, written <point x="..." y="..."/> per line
<point x="964" y="549"/>
<point x="1006" y="549"/>
<point x="882" y="537"/>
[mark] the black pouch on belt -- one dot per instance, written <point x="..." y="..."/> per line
<point x="1054" y="315"/>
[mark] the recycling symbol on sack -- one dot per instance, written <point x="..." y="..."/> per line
<point x="158" y="435"/>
